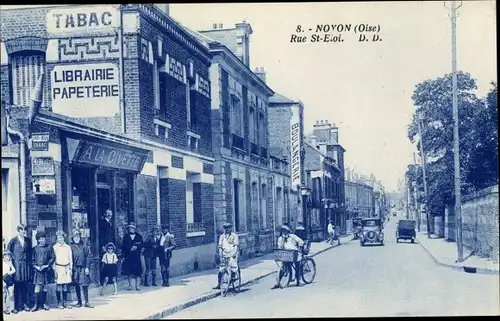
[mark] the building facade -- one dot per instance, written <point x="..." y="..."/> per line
<point x="125" y="124"/>
<point x="286" y="140"/>
<point x="325" y="138"/>
<point x="321" y="172"/>
<point x="244" y="186"/>
<point x="359" y="195"/>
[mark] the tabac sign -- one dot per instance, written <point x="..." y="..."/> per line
<point x="83" y="19"/>
<point x="295" y="146"/>
<point x="108" y="156"/>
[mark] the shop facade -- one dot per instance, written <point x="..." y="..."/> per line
<point x="124" y="125"/>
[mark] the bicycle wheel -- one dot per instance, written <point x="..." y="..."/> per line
<point x="237" y="282"/>
<point x="224" y="283"/>
<point x="286" y="275"/>
<point x="308" y="270"/>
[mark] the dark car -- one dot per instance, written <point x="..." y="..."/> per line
<point x="372" y="231"/>
<point x="406" y="230"/>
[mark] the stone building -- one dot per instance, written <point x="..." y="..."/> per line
<point x="125" y="124"/>
<point x="321" y="172"/>
<point x="286" y="140"/>
<point x="244" y="188"/>
<point x="359" y="195"/>
<point x="325" y="138"/>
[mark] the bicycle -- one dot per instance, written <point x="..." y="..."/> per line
<point x="331" y="238"/>
<point x="287" y="258"/>
<point x="226" y="280"/>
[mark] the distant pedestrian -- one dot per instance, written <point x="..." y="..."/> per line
<point x="109" y="270"/>
<point x="132" y="246"/>
<point x="43" y="258"/>
<point x="22" y="253"/>
<point x="81" y="268"/>
<point x="8" y="283"/>
<point x="63" y="267"/>
<point x="167" y="245"/>
<point x="150" y="253"/>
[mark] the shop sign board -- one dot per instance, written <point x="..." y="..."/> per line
<point x="42" y="166"/>
<point x="86" y="90"/>
<point x="40" y="141"/>
<point x="295" y="146"/>
<point x="44" y="186"/>
<point x="108" y="156"/>
<point x="83" y="19"/>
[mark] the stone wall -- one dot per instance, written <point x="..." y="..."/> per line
<point x="480" y="222"/>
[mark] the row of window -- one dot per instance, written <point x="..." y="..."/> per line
<point x="259" y="195"/>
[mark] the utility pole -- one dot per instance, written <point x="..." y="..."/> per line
<point x="456" y="141"/>
<point x="415" y="193"/>
<point x="422" y="164"/>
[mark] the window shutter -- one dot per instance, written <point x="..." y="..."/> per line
<point x="193" y="105"/>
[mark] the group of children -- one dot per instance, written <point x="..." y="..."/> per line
<point x="62" y="264"/>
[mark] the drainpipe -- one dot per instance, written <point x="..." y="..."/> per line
<point x="22" y="168"/>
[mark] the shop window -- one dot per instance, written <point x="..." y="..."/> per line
<point x="81" y="217"/>
<point x="124" y="205"/>
<point x="26" y="67"/>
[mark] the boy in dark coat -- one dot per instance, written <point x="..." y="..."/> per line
<point x="43" y="257"/>
<point x="81" y="268"/>
<point x="151" y="254"/>
<point x="131" y="250"/>
<point x="21" y="249"/>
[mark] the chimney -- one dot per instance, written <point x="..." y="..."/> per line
<point x="214" y="26"/>
<point x="163" y="7"/>
<point x="334" y="133"/>
<point x="313" y="140"/>
<point x="261" y="73"/>
<point x="243" y="32"/>
<point x="221" y="26"/>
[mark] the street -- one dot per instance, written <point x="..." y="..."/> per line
<point x="372" y="281"/>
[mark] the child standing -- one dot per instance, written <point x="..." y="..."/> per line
<point x="63" y="266"/>
<point x="81" y="271"/>
<point x="110" y="267"/>
<point x="8" y="283"/>
<point x="42" y="260"/>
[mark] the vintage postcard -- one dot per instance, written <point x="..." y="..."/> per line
<point x="249" y="160"/>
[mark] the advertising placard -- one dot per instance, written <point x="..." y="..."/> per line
<point x="42" y="166"/>
<point x="295" y="147"/>
<point x="86" y="90"/>
<point x="40" y="141"/>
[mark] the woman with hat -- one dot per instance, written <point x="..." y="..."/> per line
<point x="228" y="247"/>
<point x="8" y="283"/>
<point x="22" y="253"/>
<point x="131" y="250"/>
<point x="43" y="258"/>
<point x="81" y="268"/>
<point x="109" y="270"/>
<point x="63" y="267"/>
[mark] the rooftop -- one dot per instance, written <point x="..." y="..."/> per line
<point x="280" y="99"/>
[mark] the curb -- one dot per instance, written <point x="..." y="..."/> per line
<point x="215" y="293"/>
<point x="463" y="268"/>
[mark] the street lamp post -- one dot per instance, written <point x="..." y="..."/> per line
<point x="305" y="192"/>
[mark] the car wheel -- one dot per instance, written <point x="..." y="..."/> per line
<point x="397" y="240"/>
<point x="412" y="240"/>
<point x="382" y="243"/>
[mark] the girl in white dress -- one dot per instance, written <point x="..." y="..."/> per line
<point x="63" y="267"/>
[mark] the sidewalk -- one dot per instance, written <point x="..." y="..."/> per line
<point x="159" y="302"/>
<point x="445" y="254"/>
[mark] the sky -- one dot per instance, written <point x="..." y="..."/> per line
<point x="363" y="87"/>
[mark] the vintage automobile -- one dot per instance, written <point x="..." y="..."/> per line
<point x="356" y="227"/>
<point x="406" y="230"/>
<point x="372" y="231"/>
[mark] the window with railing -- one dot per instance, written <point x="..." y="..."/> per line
<point x="254" y="149"/>
<point x="238" y="142"/>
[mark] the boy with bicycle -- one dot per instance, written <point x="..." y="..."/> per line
<point x="290" y="241"/>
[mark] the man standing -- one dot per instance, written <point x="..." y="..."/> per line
<point x="228" y="247"/>
<point x="21" y="249"/>
<point x="106" y="234"/>
<point x="165" y="248"/>
<point x="289" y="241"/>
